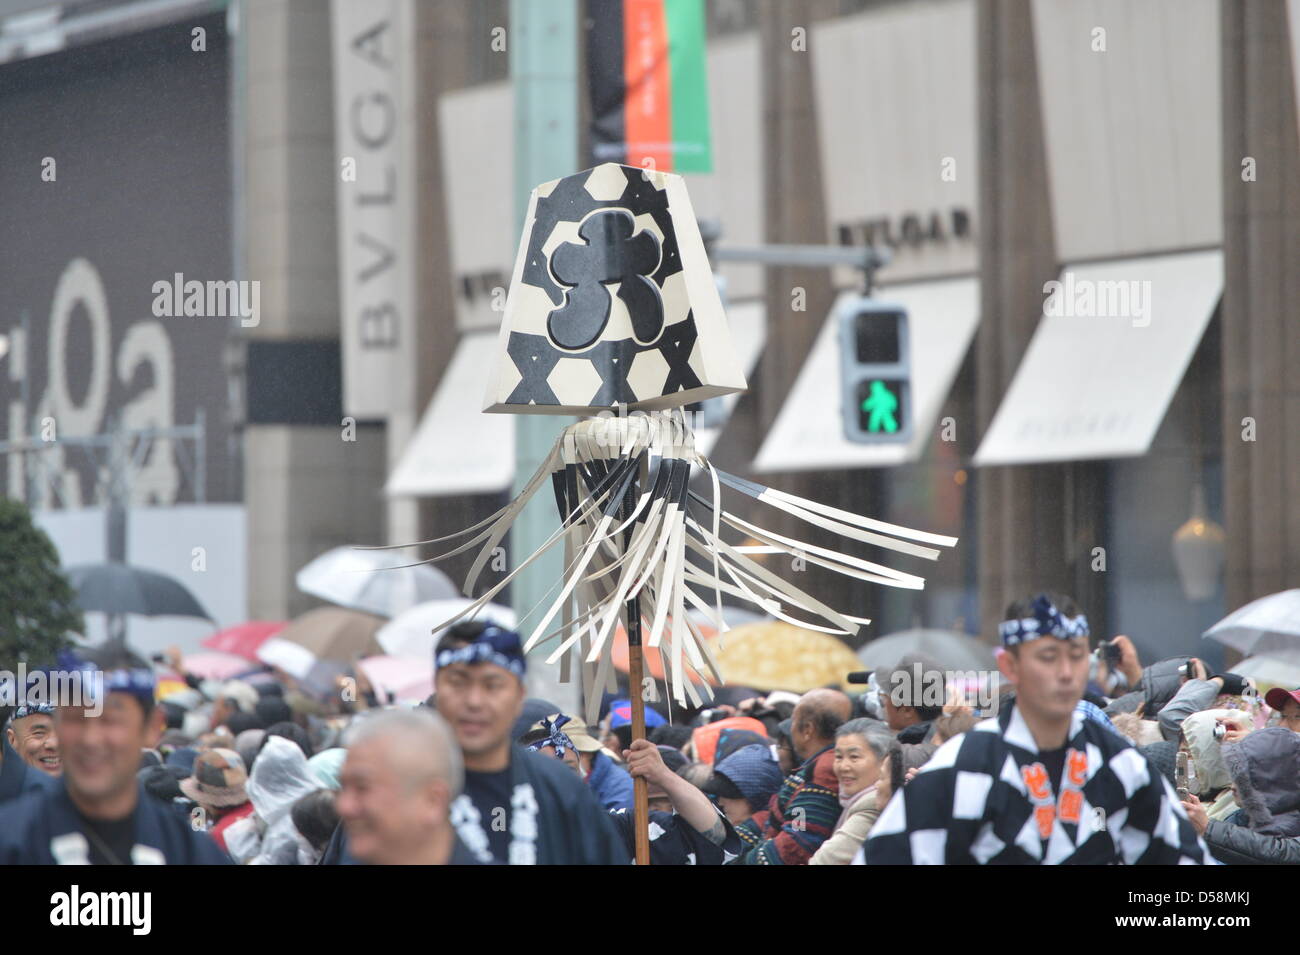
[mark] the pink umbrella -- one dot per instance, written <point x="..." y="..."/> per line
<point x="215" y="665"/>
<point x="244" y="639"/>
<point x="400" y="678"/>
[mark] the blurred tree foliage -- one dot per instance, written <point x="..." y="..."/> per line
<point x="38" y="607"/>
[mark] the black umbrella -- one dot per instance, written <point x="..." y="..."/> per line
<point x="116" y="589"/>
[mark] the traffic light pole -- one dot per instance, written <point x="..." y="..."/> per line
<point x="865" y="258"/>
<point x="877" y="392"/>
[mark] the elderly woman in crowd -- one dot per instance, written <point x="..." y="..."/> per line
<point x="862" y="749"/>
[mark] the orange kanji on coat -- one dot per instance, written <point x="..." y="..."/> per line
<point x="1045" y="816"/>
<point x="1035" y="778"/>
<point x="1071" y="805"/>
<point x="1078" y="763"/>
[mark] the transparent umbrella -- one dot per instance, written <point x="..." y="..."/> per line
<point x="1261" y="626"/>
<point x="373" y="581"/>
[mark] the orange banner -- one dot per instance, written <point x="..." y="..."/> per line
<point x="647" y="109"/>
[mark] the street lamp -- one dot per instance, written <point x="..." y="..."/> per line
<point x="1198" y="548"/>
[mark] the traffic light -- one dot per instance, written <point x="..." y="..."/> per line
<point x="875" y="362"/>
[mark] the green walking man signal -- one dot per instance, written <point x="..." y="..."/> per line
<point x="880" y="406"/>
<point x="875" y="358"/>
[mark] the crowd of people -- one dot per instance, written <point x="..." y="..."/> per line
<point x="1085" y="756"/>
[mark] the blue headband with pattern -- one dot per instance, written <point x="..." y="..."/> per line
<point x="494" y="645"/>
<point x="33" y="708"/>
<point x="555" y="737"/>
<point x="1046" y="621"/>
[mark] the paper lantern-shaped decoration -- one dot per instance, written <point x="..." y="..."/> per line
<point x="612" y="301"/>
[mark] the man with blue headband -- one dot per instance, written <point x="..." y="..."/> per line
<point x="17" y="776"/>
<point x="30" y="733"/>
<point x="518" y="807"/>
<point x="1040" y="784"/>
<point x="99" y="814"/>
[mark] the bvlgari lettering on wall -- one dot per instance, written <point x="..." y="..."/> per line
<point x="912" y="229"/>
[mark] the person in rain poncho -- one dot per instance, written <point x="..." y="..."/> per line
<point x="280" y="778"/>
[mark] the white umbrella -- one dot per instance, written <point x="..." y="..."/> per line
<point x="374" y="581"/>
<point x="1275" y="668"/>
<point x="1264" y="625"/>
<point x="412" y="634"/>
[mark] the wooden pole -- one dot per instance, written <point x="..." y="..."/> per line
<point x="640" y="791"/>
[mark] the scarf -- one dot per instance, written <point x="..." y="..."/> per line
<point x="849" y="802"/>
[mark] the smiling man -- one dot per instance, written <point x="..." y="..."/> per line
<point x="518" y="808"/>
<point x="401" y="774"/>
<point x="1040" y="784"/>
<point x="100" y="815"/>
<point x="32" y="736"/>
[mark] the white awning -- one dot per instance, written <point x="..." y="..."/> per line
<point x="747" y="322"/>
<point x="1104" y="363"/>
<point x="808" y="434"/>
<point x="457" y="449"/>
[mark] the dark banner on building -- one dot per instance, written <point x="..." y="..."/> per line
<point x="648" y="83"/>
<point x="117" y="298"/>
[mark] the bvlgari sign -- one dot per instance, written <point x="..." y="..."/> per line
<point x="911" y="229"/>
<point x="376" y="202"/>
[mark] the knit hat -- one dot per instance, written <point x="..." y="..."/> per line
<point x="218" y="780"/>
<point x="672" y="757"/>
<point x="732" y="739"/>
<point x="751" y="770"/>
<point x="1162" y="756"/>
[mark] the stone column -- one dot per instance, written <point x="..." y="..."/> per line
<point x="1261" y="317"/>
<point x="1024" y="513"/>
<point x="306" y="489"/>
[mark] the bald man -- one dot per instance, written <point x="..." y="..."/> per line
<point x="402" y="772"/>
<point x="31" y="734"/>
<point x="803" y="813"/>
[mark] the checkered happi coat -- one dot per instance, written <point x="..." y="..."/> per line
<point x="970" y="805"/>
